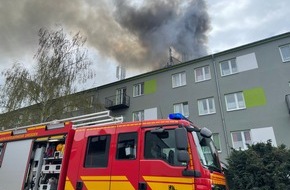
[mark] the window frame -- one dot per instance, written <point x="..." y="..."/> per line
<point x="182" y="106"/>
<point x="149" y="140"/>
<point x="106" y="154"/>
<point x="200" y="102"/>
<point x="178" y="79"/>
<point x="229" y="63"/>
<point x="242" y="132"/>
<point x="138" y="89"/>
<point x="135" y="138"/>
<point x="204" y="78"/>
<point x="237" y="106"/>
<point x="92" y="100"/>
<point x="219" y="147"/>
<point x="281" y="53"/>
<point x="121" y="95"/>
<point x="138" y="112"/>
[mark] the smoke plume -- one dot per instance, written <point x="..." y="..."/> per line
<point x="137" y="34"/>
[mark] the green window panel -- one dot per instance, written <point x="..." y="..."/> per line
<point x="255" y="97"/>
<point x="150" y="86"/>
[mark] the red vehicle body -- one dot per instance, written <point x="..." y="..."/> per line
<point x="146" y="155"/>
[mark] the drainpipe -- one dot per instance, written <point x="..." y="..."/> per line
<point x="224" y="126"/>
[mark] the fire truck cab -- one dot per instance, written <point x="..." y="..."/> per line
<point x="167" y="154"/>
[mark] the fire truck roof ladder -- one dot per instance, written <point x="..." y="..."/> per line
<point x="94" y="119"/>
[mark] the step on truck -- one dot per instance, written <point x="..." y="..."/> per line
<point x="97" y="151"/>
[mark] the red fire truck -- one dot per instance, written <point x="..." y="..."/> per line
<point x="97" y="151"/>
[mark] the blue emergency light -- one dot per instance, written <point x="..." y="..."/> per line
<point x="176" y="116"/>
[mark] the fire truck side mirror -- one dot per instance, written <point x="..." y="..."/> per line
<point x="205" y="132"/>
<point x="182" y="145"/>
<point x="183" y="156"/>
<point x="181" y="139"/>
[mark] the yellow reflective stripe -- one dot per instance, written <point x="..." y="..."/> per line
<point x="169" y="179"/>
<point x="121" y="185"/>
<point x="165" y="183"/>
<point x="107" y="182"/>
<point x="166" y="186"/>
<point x="119" y="178"/>
<point x="218" y="179"/>
<point x="191" y="166"/>
<point x="35" y="128"/>
<point x="101" y="185"/>
<point x="91" y="182"/>
<point x="42" y="139"/>
<point x="5" y="133"/>
<point x="57" y="137"/>
<point x="68" y="185"/>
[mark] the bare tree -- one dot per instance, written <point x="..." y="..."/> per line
<point x="61" y="63"/>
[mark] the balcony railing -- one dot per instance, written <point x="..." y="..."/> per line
<point x="117" y="102"/>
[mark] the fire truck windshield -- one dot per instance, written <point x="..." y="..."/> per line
<point x="207" y="152"/>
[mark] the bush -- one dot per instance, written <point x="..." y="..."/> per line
<point x="260" y="167"/>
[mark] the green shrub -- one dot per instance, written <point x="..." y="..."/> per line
<point x="260" y="167"/>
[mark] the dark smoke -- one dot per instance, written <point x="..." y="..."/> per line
<point x="135" y="35"/>
<point x="159" y="25"/>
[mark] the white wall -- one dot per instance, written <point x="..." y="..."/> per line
<point x="150" y="113"/>
<point x="247" y="62"/>
<point x="263" y="135"/>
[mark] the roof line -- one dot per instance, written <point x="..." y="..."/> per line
<point x="266" y="40"/>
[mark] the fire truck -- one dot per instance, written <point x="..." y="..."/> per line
<point x="98" y="151"/>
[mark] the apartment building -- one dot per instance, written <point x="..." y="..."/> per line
<point x="241" y="95"/>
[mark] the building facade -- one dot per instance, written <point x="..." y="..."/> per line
<point x="240" y="94"/>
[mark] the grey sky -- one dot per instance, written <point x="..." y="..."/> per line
<point x="234" y="23"/>
<point x="129" y="36"/>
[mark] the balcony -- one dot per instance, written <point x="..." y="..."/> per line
<point x="117" y="102"/>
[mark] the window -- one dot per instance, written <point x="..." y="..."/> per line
<point x="206" y="106"/>
<point x="2" y="149"/>
<point x="241" y="139"/>
<point x="126" y="148"/>
<point x="138" y="115"/>
<point x="97" y="154"/>
<point x="216" y="140"/>
<point x="161" y="146"/>
<point x="91" y="101"/>
<point x="181" y="108"/>
<point x="202" y="74"/>
<point x="228" y="67"/>
<point x="20" y="119"/>
<point x="138" y="89"/>
<point x="178" y="79"/>
<point x="121" y="96"/>
<point x="285" y="52"/>
<point x="70" y="107"/>
<point x="235" y="101"/>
